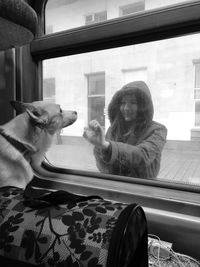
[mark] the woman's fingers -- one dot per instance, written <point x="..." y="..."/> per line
<point x="95" y="125"/>
<point x="89" y="134"/>
<point x="94" y="133"/>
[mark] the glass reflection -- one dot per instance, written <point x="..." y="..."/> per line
<point x="87" y="82"/>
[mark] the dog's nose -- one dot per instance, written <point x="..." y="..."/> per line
<point x="75" y="112"/>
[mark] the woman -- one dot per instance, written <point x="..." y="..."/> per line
<point x="134" y="142"/>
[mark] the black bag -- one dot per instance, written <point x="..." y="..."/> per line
<point x="82" y="231"/>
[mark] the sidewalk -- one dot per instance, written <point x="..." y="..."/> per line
<point x="182" y="166"/>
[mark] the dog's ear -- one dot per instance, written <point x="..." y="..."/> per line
<point x="38" y="117"/>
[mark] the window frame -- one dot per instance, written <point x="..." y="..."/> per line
<point x="156" y="24"/>
<point x="146" y="26"/>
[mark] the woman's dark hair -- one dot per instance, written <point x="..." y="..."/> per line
<point x="144" y="112"/>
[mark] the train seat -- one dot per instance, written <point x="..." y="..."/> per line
<point x="18" y="23"/>
<point x="88" y="231"/>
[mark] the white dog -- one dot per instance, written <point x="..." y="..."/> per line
<point x="25" y="139"/>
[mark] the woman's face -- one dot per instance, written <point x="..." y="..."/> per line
<point x="129" y="108"/>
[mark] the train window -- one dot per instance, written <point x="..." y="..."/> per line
<point x="67" y="14"/>
<point x="86" y="82"/>
<point x="152" y="41"/>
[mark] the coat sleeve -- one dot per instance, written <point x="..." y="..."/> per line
<point x="126" y="156"/>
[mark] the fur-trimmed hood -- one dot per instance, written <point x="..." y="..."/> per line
<point x="144" y="101"/>
<point x="135" y="148"/>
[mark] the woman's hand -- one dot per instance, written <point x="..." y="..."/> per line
<point x="94" y="133"/>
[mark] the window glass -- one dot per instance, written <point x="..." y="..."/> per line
<point x="86" y="83"/>
<point x="67" y="14"/>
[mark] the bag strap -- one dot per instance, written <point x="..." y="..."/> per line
<point x="41" y="198"/>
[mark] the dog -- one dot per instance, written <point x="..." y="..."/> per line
<point x="25" y="139"/>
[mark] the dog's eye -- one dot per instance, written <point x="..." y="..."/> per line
<point x="36" y="113"/>
<point x="60" y="110"/>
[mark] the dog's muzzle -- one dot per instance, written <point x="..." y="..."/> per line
<point x="69" y="117"/>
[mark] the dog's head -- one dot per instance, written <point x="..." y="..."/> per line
<point x="45" y="115"/>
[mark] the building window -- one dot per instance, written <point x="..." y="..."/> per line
<point x="197" y="113"/>
<point x="197" y="75"/>
<point x="197" y="91"/>
<point x="49" y="29"/>
<point x="96" y="17"/>
<point x="96" y="97"/>
<point x="131" y="8"/>
<point x="49" y="89"/>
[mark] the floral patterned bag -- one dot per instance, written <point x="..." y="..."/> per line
<point x="81" y="231"/>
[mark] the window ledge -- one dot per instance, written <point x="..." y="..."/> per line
<point x="146" y="195"/>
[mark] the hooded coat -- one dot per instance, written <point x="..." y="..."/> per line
<point x="136" y="153"/>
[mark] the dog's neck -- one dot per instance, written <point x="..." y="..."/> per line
<point x="18" y="145"/>
<point x="21" y="132"/>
